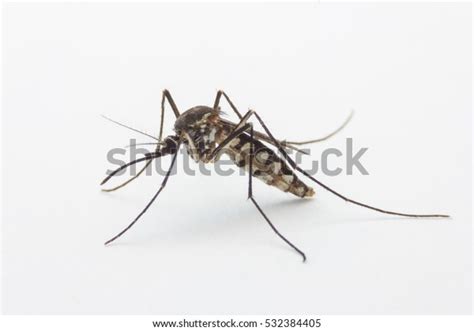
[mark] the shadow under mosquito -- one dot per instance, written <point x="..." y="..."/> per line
<point x="242" y="216"/>
<point x="313" y="213"/>
<point x="238" y="218"/>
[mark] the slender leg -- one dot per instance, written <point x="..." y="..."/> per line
<point x="234" y="134"/>
<point x="129" y="180"/>
<point x="326" y="137"/>
<point x="148" y="156"/>
<point x="288" y="144"/>
<point x="238" y="129"/>
<point x="270" y="137"/>
<point x="255" y="202"/>
<point x="259" y="135"/>
<point x="163" y="184"/>
<point x="218" y="99"/>
<point x="293" y="164"/>
<point x="166" y="95"/>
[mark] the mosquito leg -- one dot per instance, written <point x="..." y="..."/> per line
<point x="128" y="181"/>
<point x="293" y="164"/>
<point x="148" y="157"/>
<point x="326" y="137"/>
<point x="238" y="129"/>
<point x="251" y="157"/>
<point x="163" y="184"/>
<point x="287" y="144"/>
<point x="259" y="135"/>
<point x="218" y="99"/>
<point x="166" y="95"/>
<point x="234" y="134"/>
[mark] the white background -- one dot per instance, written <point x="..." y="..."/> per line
<point x="203" y="248"/>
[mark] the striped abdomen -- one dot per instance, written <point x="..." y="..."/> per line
<point x="267" y="166"/>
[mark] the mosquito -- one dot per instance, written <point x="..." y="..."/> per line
<point x="207" y="135"/>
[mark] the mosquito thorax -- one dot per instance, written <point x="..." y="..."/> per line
<point x="198" y="128"/>
<point x="194" y="117"/>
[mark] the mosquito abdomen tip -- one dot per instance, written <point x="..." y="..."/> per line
<point x="309" y="193"/>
